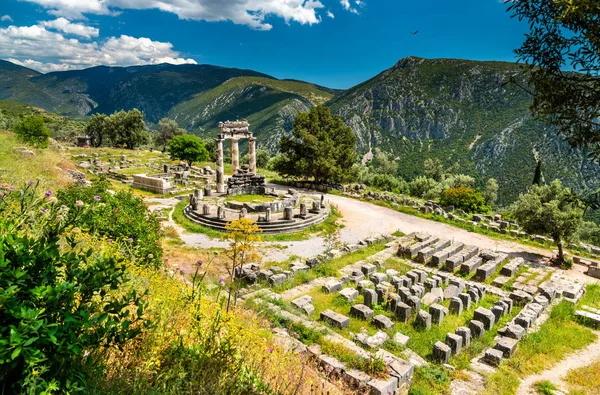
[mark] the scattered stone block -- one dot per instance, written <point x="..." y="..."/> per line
<point x="465" y="334"/>
<point x="451" y="291"/>
<point x="458" y="283"/>
<point x="509" y="303"/>
<point x="515" y="331"/>
<point x="361" y="311"/>
<point x="383" y="322"/>
<point x="520" y="297"/>
<point x="438" y="312"/>
<point x="455" y="342"/>
<point x="507" y="345"/>
<point x="364" y="284"/>
<point x="500" y="281"/>
<point x="414" y="302"/>
<point x="332" y="286"/>
<point x="470" y="265"/>
<point x="304" y="304"/>
<point x="383" y="386"/>
<point x="277" y="279"/>
<point x="441" y="352"/>
<point x="497" y="312"/>
<point x="370" y="297"/>
<point x="392" y="272"/>
<point x="350" y="294"/>
<point x="368" y="269"/>
<point x="401" y="339"/>
<point x="477" y="328"/>
<point x="524" y="320"/>
<point x="492" y="356"/>
<point x="423" y="320"/>
<point x="417" y="290"/>
<point x="511" y="267"/>
<point x="466" y="300"/>
<point x="456" y="306"/>
<point x="335" y="319"/>
<point x="486" y="316"/>
<point x="378" y="278"/>
<point x="434" y="296"/>
<point x="403" y="312"/>
<point x="374" y="341"/>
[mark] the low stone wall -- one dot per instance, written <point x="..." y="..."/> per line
<point x="152" y="184"/>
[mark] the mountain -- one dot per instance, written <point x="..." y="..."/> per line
<point x="269" y="105"/>
<point x="154" y="89"/>
<point x="456" y="110"/>
<point x="461" y="111"/>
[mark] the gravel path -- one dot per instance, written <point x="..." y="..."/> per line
<point x="556" y="375"/>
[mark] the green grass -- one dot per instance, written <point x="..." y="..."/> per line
<point x="545" y="387"/>
<point x="328" y="226"/>
<point x="430" y="380"/>
<point x="584" y="380"/>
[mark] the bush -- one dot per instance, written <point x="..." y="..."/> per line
<point x="32" y="130"/>
<point x="467" y="199"/>
<point x="188" y="148"/>
<point x="64" y="295"/>
<point x="421" y="185"/>
<point x="121" y="216"/>
<point x="389" y="183"/>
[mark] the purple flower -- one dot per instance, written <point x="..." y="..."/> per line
<point x="12" y="188"/>
<point x="1" y="194"/>
<point x="43" y="210"/>
<point x="97" y="198"/>
<point x="166" y="260"/>
<point x="221" y="280"/>
<point x="130" y="240"/>
<point x="48" y="193"/>
<point x="32" y="220"/>
<point x="123" y="252"/>
<point x="30" y="183"/>
<point x="109" y="241"/>
<point x="271" y="350"/>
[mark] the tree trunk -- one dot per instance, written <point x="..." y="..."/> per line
<point x="561" y="254"/>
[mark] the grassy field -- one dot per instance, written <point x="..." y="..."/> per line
<point x="250" y="199"/>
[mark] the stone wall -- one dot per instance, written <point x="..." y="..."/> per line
<point x="291" y="199"/>
<point x="152" y="184"/>
<point x="245" y="183"/>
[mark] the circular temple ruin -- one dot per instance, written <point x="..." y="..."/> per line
<point x="275" y="211"/>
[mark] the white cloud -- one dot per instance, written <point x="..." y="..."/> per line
<point x="251" y="13"/>
<point x="77" y="29"/>
<point x="348" y="7"/>
<point x="330" y="14"/>
<point x="45" y="50"/>
<point x="5" y="18"/>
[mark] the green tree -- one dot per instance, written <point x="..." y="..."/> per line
<point x="550" y="210"/>
<point x="32" y="130"/>
<point x="188" y="148"/>
<point x="563" y="35"/>
<point x="467" y="199"/>
<point x="321" y="147"/>
<point x="434" y="169"/>
<point x="490" y="193"/>
<point x="127" y="128"/>
<point x="262" y="158"/>
<point x="421" y="185"/>
<point x="167" y="129"/>
<point x="382" y="164"/>
<point x="96" y="128"/>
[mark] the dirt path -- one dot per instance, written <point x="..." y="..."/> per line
<point x="557" y="374"/>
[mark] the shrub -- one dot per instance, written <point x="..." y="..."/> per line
<point x="389" y="183"/>
<point x="64" y="295"/>
<point x="467" y="199"/>
<point x="32" y="130"/>
<point x="188" y="148"/>
<point x="121" y="216"/>
<point x="420" y="185"/>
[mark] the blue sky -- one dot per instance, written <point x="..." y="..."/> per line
<point x="336" y="43"/>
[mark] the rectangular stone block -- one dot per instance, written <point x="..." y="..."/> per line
<point x="439" y="258"/>
<point x="486" y="316"/>
<point x="332" y="286"/>
<point x="335" y="319"/>
<point x="454" y="342"/>
<point x="456" y="306"/>
<point x="492" y="356"/>
<point x="368" y="269"/>
<point x="466" y="300"/>
<point x="470" y="265"/>
<point x="350" y="294"/>
<point x="403" y="312"/>
<point x="423" y="320"/>
<point x="361" y="311"/>
<point x="465" y="334"/>
<point x="370" y="297"/>
<point x="378" y="278"/>
<point x="477" y="328"/>
<point x="383" y="322"/>
<point x="507" y="345"/>
<point x="441" y="352"/>
<point x="438" y="313"/>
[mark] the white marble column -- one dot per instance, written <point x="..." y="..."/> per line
<point x="220" y="167"/>
<point x="235" y="156"/>
<point x="252" y="154"/>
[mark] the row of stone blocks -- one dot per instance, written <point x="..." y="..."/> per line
<point x="398" y="380"/>
<point x="513" y="332"/>
<point x="483" y="320"/>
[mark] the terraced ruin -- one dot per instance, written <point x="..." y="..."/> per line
<point x="419" y="300"/>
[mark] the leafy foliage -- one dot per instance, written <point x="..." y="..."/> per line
<point x="62" y="300"/>
<point x="32" y="130"/>
<point x="490" y="193"/>
<point x="122" y="217"/>
<point x="188" y="148"/>
<point x="467" y="199"/>
<point x="564" y="34"/>
<point x="123" y="128"/>
<point x="550" y="210"/>
<point x="167" y="129"/>
<point x="321" y="147"/>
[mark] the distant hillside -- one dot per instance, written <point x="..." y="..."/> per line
<point x="460" y="111"/>
<point x="154" y="89"/>
<point x="269" y="105"/>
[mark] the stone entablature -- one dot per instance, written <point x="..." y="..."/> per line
<point x="152" y="184"/>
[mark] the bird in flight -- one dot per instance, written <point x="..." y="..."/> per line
<point x="415" y="32"/>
